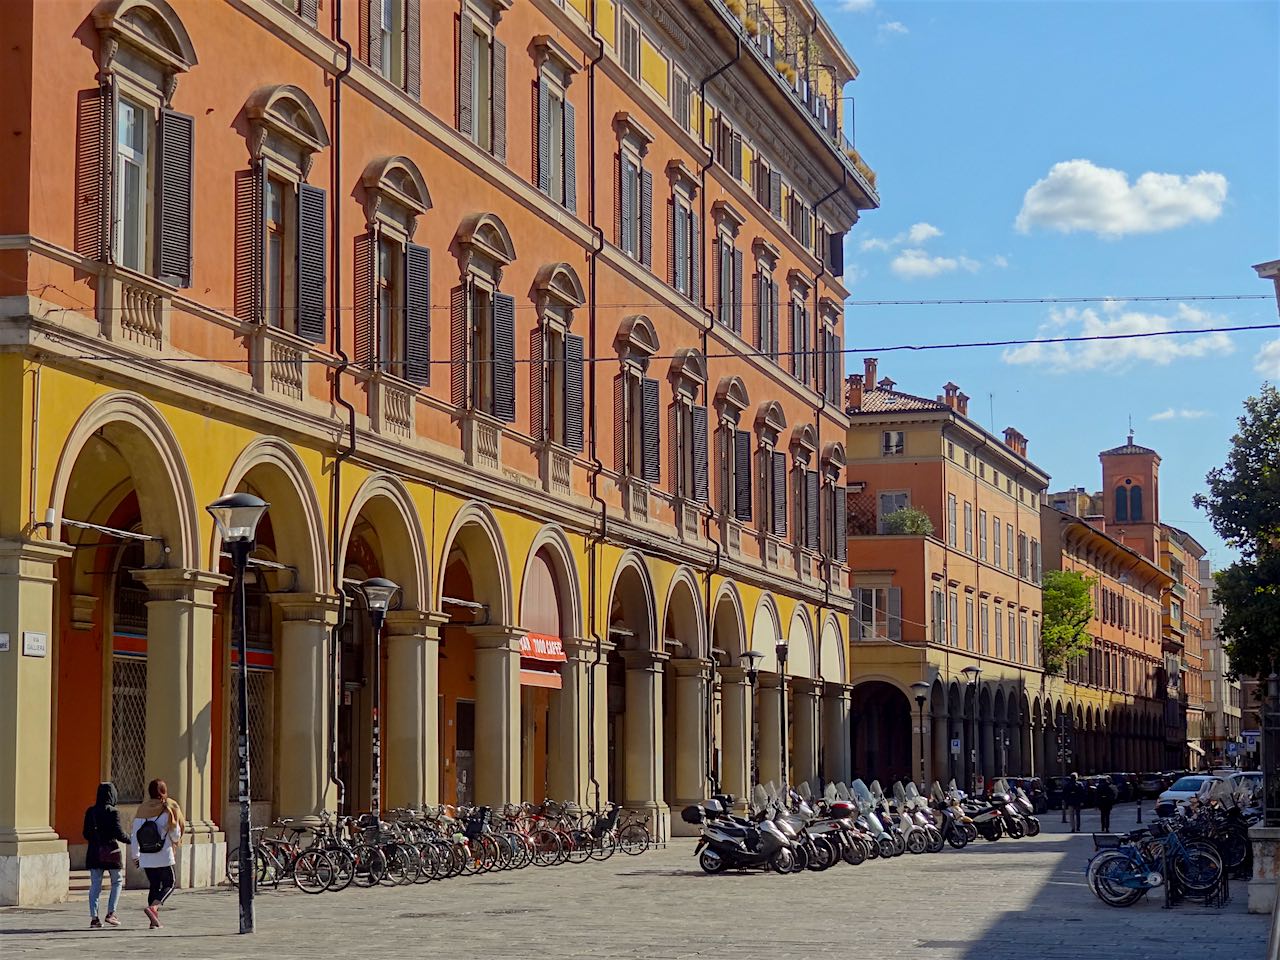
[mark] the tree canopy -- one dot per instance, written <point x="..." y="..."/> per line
<point x="909" y="520"/>
<point x="1243" y="503"/>
<point x="1067" y="598"/>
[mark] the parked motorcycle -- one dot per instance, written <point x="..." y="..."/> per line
<point x="735" y="843"/>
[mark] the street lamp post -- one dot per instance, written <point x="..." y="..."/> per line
<point x="236" y="516"/>
<point x="1271" y="753"/>
<point x="922" y="693"/>
<point x="378" y="592"/>
<point x="780" y="648"/>
<point x="751" y="660"/>
<point x="972" y="675"/>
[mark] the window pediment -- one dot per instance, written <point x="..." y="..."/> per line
<point x="147" y="27"/>
<point x="394" y="187"/>
<point x="833" y="460"/>
<point x="549" y="52"/>
<point x="557" y="286"/>
<point x="800" y="281"/>
<point x="728" y="216"/>
<point x="688" y="371"/>
<point x="766" y="252"/>
<point x="631" y="132"/>
<point x="770" y="422"/>
<point x="682" y="177"/>
<point x="285" y="122"/>
<point x="484" y="237"/>
<point x="804" y="441"/>
<point x="637" y="340"/>
<point x="731" y="398"/>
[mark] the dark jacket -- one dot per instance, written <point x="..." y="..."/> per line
<point x="1107" y="794"/>
<point x="1073" y="793"/>
<point x="102" y="826"/>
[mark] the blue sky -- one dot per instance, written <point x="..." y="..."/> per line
<point x="1011" y="142"/>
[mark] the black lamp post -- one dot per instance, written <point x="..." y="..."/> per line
<point x="751" y="660"/>
<point x="378" y="592"/>
<point x="1271" y="753"/>
<point x="921" y="689"/>
<point x="780" y="648"/>
<point x="236" y="517"/>
<point x="973" y="674"/>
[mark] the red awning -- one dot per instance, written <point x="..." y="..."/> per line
<point x="540" y="646"/>
<point x="540" y="678"/>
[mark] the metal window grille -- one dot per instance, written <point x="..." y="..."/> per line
<point x="129" y="726"/>
<point x="261" y="734"/>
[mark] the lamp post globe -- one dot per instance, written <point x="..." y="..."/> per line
<point x="237" y="516"/>
<point x="378" y="594"/>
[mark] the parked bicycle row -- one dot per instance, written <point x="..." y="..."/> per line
<point x="418" y="846"/>
<point x="787" y="831"/>
<point x="1190" y="854"/>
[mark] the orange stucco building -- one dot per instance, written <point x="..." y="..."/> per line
<point x="533" y="307"/>
<point x="956" y="609"/>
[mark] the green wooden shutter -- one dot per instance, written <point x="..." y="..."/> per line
<point x="700" y="487"/>
<point x="570" y="160"/>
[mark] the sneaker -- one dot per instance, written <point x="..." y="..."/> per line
<point x="95" y="924"/>
<point x="150" y="911"/>
<point x="113" y="920"/>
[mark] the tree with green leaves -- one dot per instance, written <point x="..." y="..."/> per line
<point x="1243" y="503"/>
<point x="1067" y="604"/>
<point x="909" y="521"/>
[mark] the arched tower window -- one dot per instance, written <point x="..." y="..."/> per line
<point x="1122" y="504"/>
<point x="1135" y="503"/>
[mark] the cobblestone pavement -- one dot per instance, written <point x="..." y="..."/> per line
<point x="1011" y="899"/>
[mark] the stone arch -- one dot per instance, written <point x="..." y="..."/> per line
<point x="801" y="658"/>
<point x="149" y="25"/>
<point x="638" y="612"/>
<point x="731" y="394"/>
<point x="771" y="417"/>
<point x="688" y="612"/>
<point x="398" y="180"/>
<point x="384" y="500"/>
<point x="728" y="624"/>
<point x="475" y="532"/>
<point x="557" y="284"/>
<point x="281" y="478"/>
<point x="637" y="337"/>
<point x="766" y="631"/>
<point x="551" y="539"/>
<point x="134" y="427"/>
<point x="831" y="651"/>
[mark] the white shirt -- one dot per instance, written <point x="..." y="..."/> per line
<point x="162" y="857"/>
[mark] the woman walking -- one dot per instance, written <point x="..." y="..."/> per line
<point x="103" y="834"/>
<point x="157" y="829"/>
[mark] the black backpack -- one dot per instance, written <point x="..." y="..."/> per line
<point x="150" y="839"/>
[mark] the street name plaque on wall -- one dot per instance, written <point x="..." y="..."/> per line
<point x="4" y="643"/>
<point x="34" y="644"/>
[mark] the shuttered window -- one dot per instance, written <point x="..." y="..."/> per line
<point x="680" y="98"/>
<point x="175" y="162"/>
<point x="573" y="397"/>
<point x="649" y="436"/>
<point x="741" y="475"/>
<point x="801" y="367"/>
<point x="635" y="210"/>
<point x="629" y="47"/>
<point x="482" y="87"/>
<point x="312" y="261"/>
<point x="835" y="254"/>
<point x="777" y="488"/>
<point x="698" y="423"/>
<point x="556" y="158"/>
<point x="685" y="247"/>
<point x="417" y="321"/>
<point x="646" y="218"/>
<point x="812" y="510"/>
<point x="840" y="523"/>
<point x="504" y="365"/>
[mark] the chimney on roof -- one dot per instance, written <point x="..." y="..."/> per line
<point x="853" y="392"/>
<point x="886" y="384"/>
<point x="962" y="404"/>
<point x="949" y="394"/>
<point x="869" y="372"/>
<point x="1015" y="441"/>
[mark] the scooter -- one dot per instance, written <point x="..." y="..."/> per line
<point x="956" y="826"/>
<point x="727" y="843"/>
<point x="867" y="819"/>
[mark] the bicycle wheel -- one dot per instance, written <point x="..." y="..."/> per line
<point x="1197" y="867"/>
<point x="312" y="871"/>
<point x="579" y="846"/>
<point x="489" y="853"/>
<point x="407" y="860"/>
<point x="546" y="847"/>
<point x="521" y="850"/>
<point x="604" y="846"/>
<point x="371" y="864"/>
<point x="344" y="868"/>
<point x="634" y="839"/>
<point x="1116" y="879"/>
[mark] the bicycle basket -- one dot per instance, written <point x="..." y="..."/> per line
<point x="1106" y="841"/>
<point x="476" y="823"/>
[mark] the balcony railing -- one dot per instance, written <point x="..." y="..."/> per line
<point x="689" y="515"/>
<point x="635" y="499"/>
<point x="133" y="307"/>
<point x="279" y="362"/>
<point x="557" y="470"/>
<point x="392" y="402"/>
<point x="481" y="440"/>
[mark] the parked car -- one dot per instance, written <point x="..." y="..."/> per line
<point x="1184" y="788"/>
<point x="1053" y="791"/>
<point x="1151" y="785"/>
<point x="1246" y="778"/>
<point x="1035" y="789"/>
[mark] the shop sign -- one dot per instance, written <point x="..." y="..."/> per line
<point x="34" y="644"/>
<point x="540" y="646"/>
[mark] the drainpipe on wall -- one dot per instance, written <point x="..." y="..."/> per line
<point x="708" y="517"/>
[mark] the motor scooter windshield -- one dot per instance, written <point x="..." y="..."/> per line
<point x="937" y="793"/>
<point x="842" y="791"/>
<point x="913" y="796"/>
<point x="876" y="793"/>
<point x="862" y="796"/>
<point x="829" y="793"/>
<point x="759" y="797"/>
<point x="805" y="793"/>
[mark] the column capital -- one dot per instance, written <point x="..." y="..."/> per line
<point x="687" y="667"/>
<point x="734" y="675"/>
<point x="175" y="583"/>
<point x="497" y="637"/>
<point x="415" y="623"/>
<point x="773" y="681"/>
<point x="837" y="691"/>
<point x="306" y="606"/>
<point x="15" y="555"/>
<point x="806" y="685"/>
<point x="645" y="659"/>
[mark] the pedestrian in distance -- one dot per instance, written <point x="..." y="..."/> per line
<point x="1107" y="796"/>
<point x="1073" y="797"/>
<point x="103" y="835"/>
<point x="157" y="829"/>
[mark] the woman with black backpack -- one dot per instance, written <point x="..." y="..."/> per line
<point x="157" y="829"/>
<point x="103" y="834"/>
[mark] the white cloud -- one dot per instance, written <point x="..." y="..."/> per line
<point x="1078" y="195"/>
<point x="913" y="264"/>
<point x="891" y="27"/>
<point x="856" y="6"/>
<point x="916" y="234"/>
<point x="999" y="261"/>
<point x="1117" y="355"/>
<point x="1267" y="362"/>
<point x="1179" y="414"/>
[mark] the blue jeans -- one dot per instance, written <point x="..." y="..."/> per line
<point x="95" y="888"/>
